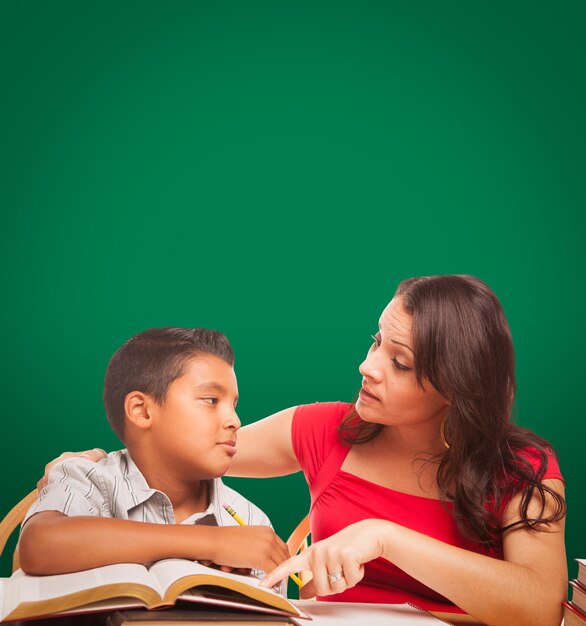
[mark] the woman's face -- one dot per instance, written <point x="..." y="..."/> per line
<point x="390" y="394"/>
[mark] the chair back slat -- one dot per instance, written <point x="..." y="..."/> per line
<point x="298" y="542"/>
<point x="14" y="517"/>
<point x="298" y="538"/>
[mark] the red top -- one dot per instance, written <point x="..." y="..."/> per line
<point x="339" y="499"/>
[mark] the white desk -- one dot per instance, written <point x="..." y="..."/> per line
<point x="356" y="614"/>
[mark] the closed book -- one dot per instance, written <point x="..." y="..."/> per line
<point x="578" y="594"/>
<point x="582" y="571"/>
<point x="198" y="616"/>
<point x="573" y="616"/>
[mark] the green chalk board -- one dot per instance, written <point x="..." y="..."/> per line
<point x="274" y="169"/>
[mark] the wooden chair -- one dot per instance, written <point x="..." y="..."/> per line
<point x="298" y="542"/>
<point x="12" y="520"/>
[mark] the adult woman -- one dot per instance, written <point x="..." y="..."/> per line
<point x="424" y="491"/>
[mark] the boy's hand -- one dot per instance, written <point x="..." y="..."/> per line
<point x="93" y="455"/>
<point x="257" y="547"/>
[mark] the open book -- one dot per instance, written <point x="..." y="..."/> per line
<point x="130" y="585"/>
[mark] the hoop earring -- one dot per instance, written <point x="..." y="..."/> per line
<point x="443" y="434"/>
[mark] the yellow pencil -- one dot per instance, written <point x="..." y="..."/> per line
<point x="237" y="517"/>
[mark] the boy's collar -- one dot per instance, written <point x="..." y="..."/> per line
<point x="141" y="491"/>
<point x="135" y="481"/>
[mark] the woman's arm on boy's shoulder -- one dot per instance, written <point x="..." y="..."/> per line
<point x="265" y="448"/>
<point x="53" y="543"/>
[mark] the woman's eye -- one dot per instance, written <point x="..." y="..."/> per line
<point x="400" y="366"/>
<point x="210" y="400"/>
<point x="376" y="340"/>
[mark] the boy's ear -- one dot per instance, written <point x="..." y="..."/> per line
<point x="136" y="408"/>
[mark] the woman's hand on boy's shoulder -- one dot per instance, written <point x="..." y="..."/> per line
<point x="94" y="455"/>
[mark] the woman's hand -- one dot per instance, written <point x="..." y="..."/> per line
<point x="337" y="563"/>
<point x="94" y="455"/>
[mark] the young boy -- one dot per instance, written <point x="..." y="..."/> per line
<point x="170" y="395"/>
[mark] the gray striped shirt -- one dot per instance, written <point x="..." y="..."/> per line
<point x="115" y="487"/>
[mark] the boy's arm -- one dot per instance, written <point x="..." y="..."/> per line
<point x="72" y="527"/>
<point x="53" y="543"/>
<point x="265" y="448"/>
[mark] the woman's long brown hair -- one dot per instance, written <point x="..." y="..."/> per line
<point x="463" y="347"/>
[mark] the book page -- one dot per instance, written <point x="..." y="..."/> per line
<point x="21" y="588"/>
<point x="169" y="571"/>
<point x="175" y="576"/>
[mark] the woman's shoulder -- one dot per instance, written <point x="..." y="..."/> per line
<point x="543" y="460"/>
<point x="331" y="411"/>
<point x="320" y="419"/>
<point x="314" y="431"/>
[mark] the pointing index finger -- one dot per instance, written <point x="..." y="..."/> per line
<point x="294" y="564"/>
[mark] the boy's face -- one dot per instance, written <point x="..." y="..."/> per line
<point x="195" y="428"/>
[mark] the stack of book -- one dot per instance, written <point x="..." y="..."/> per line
<point x="575" y="609"/>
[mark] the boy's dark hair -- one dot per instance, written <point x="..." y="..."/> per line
<point x="151" y="361"/>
